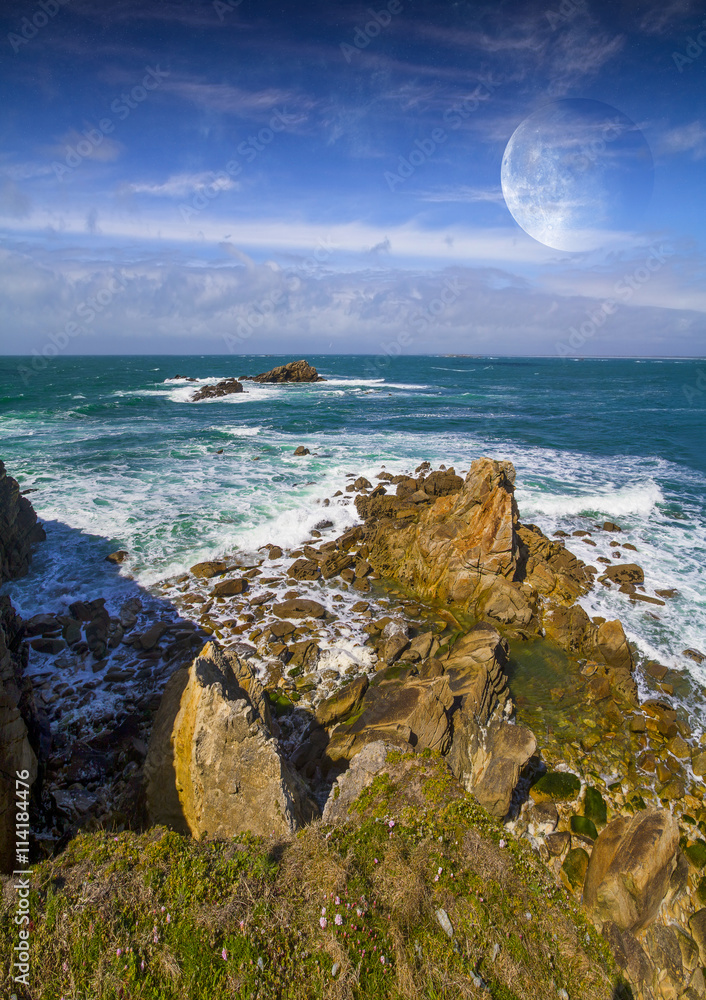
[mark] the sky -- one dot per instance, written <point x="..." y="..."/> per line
<point x="239" y="177"/>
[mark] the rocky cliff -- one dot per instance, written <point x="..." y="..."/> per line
<point x="19" y="530"/>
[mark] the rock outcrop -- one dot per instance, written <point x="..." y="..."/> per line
<point x="365" y="766"/>
<point x="19" y="529"/>
<point x="224" y="388"/>
<point x="631" y="867"/>
<point x="213" y="767"/>
<point x="460" y="542"/>
<point x="294" y="371"/>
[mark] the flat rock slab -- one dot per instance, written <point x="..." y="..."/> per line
<point x="229" y="588"/>
<point x="299" y="607"/>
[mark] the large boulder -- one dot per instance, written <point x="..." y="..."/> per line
<point x="488" y="761"/>
<point x="398" y="708"/>
<point x="19" y="529"/>
<point x="630" y="868"/>
<point x="213" y="767"/>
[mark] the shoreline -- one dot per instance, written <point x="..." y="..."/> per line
<point x="358" y="625"/>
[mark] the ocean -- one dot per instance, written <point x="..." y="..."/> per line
<point x="118" y="457"/>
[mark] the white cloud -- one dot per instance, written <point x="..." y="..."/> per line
<point x="181" y="185"/>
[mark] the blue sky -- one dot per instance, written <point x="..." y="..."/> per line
<point x="200" y="177"/>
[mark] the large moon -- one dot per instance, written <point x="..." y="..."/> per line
<point x="576" y="173"/>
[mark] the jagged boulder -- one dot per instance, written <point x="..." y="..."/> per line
<point x="19" y="529"/>
<point x="397" y="708"/>
<point x="630" y="868"/>
<point x="488" y="761"/>
<point x="213" y="767"/>
<point x="452" y="544"/>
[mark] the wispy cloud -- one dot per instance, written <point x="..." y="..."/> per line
<point x="689" y="138"/>
<point x="180" y="185"/>
<point x="464" y="194"/>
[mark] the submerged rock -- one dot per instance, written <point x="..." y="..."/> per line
<point x="224" y="388"/>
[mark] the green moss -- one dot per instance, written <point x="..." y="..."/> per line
<point x="559" y="786"/>
<point x="584" y="827"/>
<point x="594" y="807"/>
<point x="696" y="853"/>
<point x="574" y="867"/>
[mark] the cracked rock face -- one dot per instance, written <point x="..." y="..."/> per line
<point x="213" y="767"/>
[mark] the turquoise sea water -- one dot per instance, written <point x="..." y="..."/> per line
<point x="118" y="457"/>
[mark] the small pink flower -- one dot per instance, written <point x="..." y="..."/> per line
<point x="501" y="844"/>
<point x="163" y="909"/>
<point x="323" y="922"/>
<point x="242" y="924"/>
<point x="119" y="952"/>
<point x="337" y="901"/>
<point x="142" y="965"/>
<point x="375" y="860"/>
<point x="169" y="919"/>
<point x="65" y="967"/>
<point x="338" y="920"/>
<point x="224" y="955"/>
<point x="436" y="878"/>
<point x="382" y="959"/>
<point x="391" y="823"/>
<point x="323" y="911"/>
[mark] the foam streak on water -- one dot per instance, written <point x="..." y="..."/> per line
<point x="120" y="457"/>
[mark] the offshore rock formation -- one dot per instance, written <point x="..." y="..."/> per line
<point x="224" y="388"/>
<point x="213" y="767"/>
<point x="294" y="371"/>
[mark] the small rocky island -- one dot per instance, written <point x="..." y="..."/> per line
<point x="294" y="371"/>
<point x="391" y="760"/>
